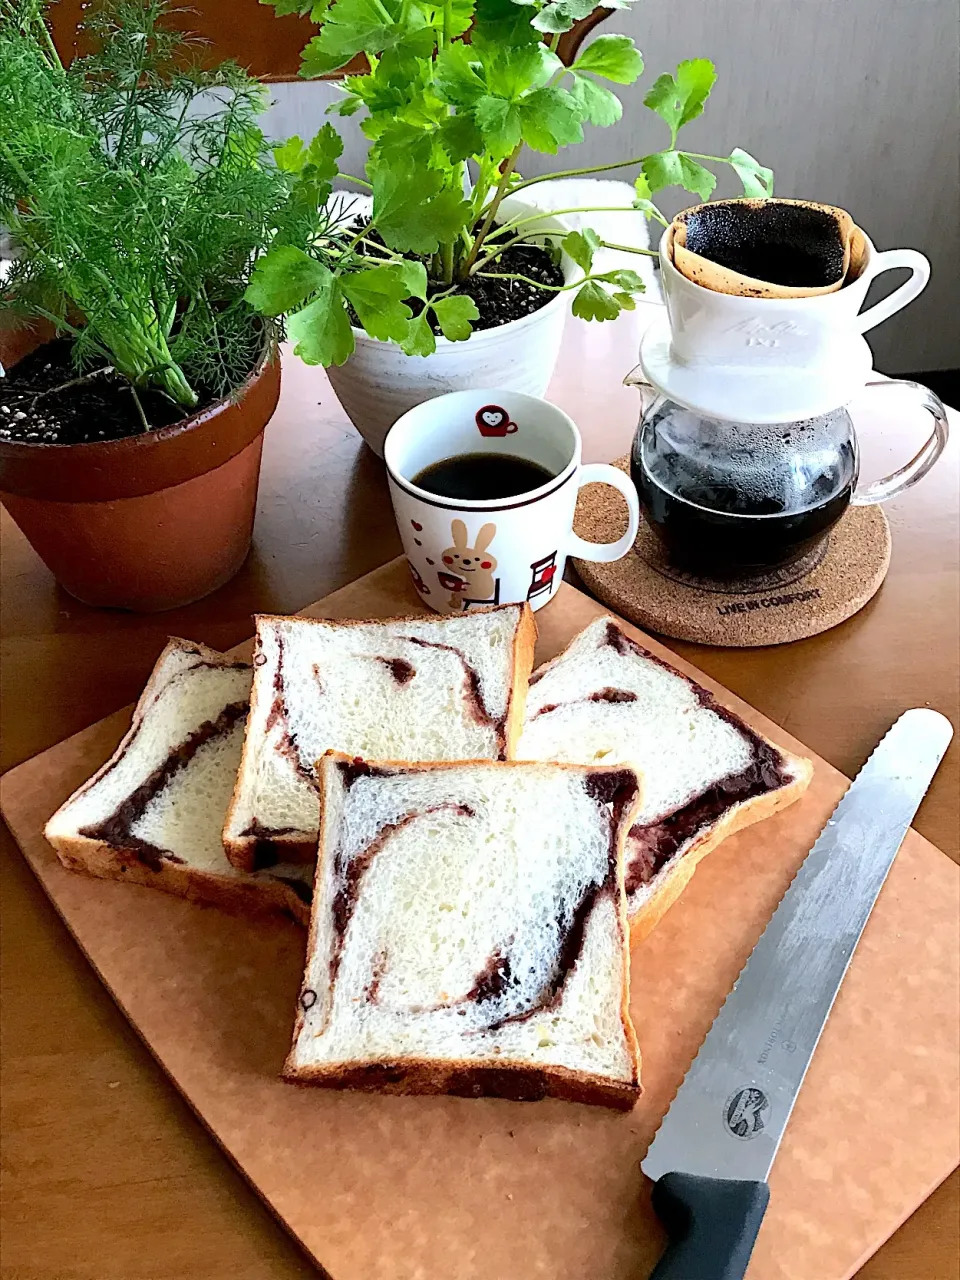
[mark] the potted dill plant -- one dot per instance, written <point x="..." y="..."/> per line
<point x="138" y="191"/>
<point x="453" y="277"/>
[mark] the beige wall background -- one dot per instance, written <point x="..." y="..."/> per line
<point x="853" y="102"/>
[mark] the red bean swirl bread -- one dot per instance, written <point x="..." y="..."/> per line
<point x="153" y="814"/>
<point x="706" y="774"/>
<point x="422" y="688"/>
<point x="469" y="933"/>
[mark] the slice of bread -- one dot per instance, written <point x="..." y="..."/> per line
<point x="706" y="774"/>
<point x="421" y="688"/>
<point x="153" y="814"/>
<point x="469" y="934"/>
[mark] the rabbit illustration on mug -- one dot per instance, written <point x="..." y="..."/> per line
<point x="468" y="572"/>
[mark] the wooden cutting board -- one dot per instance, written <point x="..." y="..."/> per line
<point x="379" y="1188"/>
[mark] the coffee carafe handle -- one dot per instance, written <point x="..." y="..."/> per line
<point x="919" y="465"/>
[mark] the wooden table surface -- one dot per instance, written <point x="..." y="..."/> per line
<point x="106" y="1173"/>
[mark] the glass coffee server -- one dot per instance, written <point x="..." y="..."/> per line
<point x="729" y="500"/>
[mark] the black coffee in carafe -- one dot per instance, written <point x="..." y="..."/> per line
<point x="728" y="500"/>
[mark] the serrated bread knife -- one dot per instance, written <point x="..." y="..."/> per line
<point x="712" y="1154"/>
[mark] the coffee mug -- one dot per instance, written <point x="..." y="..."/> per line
<point x="732" y="331"/>
<point x="465" y="553"/>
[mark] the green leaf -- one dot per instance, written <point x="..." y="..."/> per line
<point x="676" y="168"/>
<point x="414" y="277"/>
<point x="378" y="295"/>
<point x="642" y="188"/>
<point x="615" y="58"/>
<point x="596" y="104"/>
<point x="460" y="137"/>
<point x="324" y="151"/>
<point x="592" y="302"/>
<point x="289" y="156"/>
<point x="455" y="315"/>
<point x="623" y="278"/>
<point x="315" y="10"/>
<point x="550" y="119"/>
<point x="756" y="179"/>
<point x="514" y="71"/>
<point x="365" y="26"/>
<point x="499" y="122"/>
<point x="678" y="101"/>
<point x="626" y="302"/>
<point x="283" y="8"/>
<point x="459" y="16"/>
<point x="321" y="332"/>
<point x="282" y="279"/>
<point x="503" y="22"/>
<point x="348" y="105"/>
<point x="457" y="79"/>
<point x="581" y="246"/>
<point x="420" y="339"/>
<point x="413" y="210"/>
<point x="562" y="14"/>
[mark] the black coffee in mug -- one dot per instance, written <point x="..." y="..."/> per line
<point x="481" y="477"/>
<point x="729" y="500"/>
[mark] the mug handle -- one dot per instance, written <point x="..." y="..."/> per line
<point x="893" y="302"/>
<point x="603" y="473"/>
<point x="919" y="465"/>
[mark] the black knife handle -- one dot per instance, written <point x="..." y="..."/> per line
<point x="712" y="1223"/>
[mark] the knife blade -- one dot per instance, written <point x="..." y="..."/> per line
<point x="714" y="1149"/>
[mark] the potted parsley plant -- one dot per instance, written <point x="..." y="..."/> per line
<point x="452" y="277"/>
<point x="138" y="191"/>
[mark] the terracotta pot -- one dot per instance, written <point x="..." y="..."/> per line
<point x="152" y="521"/>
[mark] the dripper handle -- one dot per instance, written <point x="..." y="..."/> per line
<point x="920" y="464"/>
<point x="919" y="268"/>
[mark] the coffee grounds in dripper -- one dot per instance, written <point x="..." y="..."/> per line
<point x="766" y="248"/>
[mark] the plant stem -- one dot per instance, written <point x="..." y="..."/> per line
<point x="136" y="401"/>
<point x="492" y="208"/>
<point x="513" y="275"/>
<point x="549" y="288"/>
<point x="507" y="244"/>
<point x="446" y="262"/>
<point x="555" y="213"/>
<point x="626" y="248"/>
<point x="361" y="182"/>
<point x="577" y="173"/>
<point x="73" y="382"/>
<point x="47" y="41"/>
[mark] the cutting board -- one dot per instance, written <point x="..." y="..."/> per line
<point x="379" y="1188"/>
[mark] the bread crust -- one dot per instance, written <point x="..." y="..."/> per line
<point x="97" y="858"/>
<point x="301" y="847"/>
<point x="247" y="897"/>
<point x="507" y="1078"/>
<point x="676" y="874"/>
<point x="510" y="1078"/>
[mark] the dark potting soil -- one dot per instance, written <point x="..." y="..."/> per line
<point x="500" y="300"/>
<point x="96" y="406"/>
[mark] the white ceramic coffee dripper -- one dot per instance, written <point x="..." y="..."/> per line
<point x="758" y="334"/>
<point x="770" y="359"/>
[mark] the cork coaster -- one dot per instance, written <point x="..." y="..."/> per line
<point x="808" y="597"/>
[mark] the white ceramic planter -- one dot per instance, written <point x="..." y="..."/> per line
<point x="379" y="383"/>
